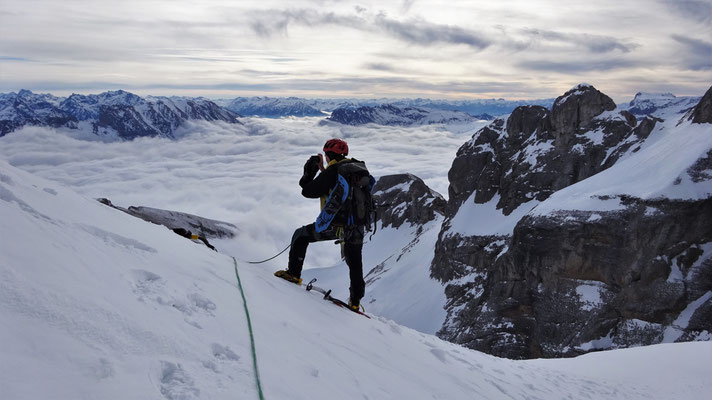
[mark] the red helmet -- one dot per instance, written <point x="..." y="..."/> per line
<point x="337" y="146"/>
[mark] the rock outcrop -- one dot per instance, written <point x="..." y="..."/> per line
<point x="635" y="270"/>
<point x="536" y="152"/>
<point x="205" y="227"/>
<point x="405" y="198"/>
<point x="702" y="113"/>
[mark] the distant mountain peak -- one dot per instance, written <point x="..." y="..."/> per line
<point x="390" y="114"/>
<point x="649" y="95"/>
<point x="582" y="86"/>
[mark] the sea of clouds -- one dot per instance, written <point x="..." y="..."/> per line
<point x="244" y="174"/>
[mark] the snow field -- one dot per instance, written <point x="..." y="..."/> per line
<point x="98" y="304"/>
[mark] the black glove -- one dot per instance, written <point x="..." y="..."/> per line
<point x="311" y="167"/>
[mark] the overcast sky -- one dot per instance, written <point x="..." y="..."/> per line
<point x="439" y="49"/>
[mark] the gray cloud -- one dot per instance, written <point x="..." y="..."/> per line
<point x="407" y="5"/>
<point x="594" y="43"/>
<point x="417" y="31"/>
<point x="380" y="67"/>
<point x="698" y="53"/>
<point x="700" y="11"/>
<point x="268" y="23"/>
<point x="579" y="66"/>
<point x="425" y="33"/>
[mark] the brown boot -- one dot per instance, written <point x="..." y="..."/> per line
<point x="288" y="277"/>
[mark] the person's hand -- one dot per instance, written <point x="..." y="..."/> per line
<point x="312" y="165"/>
<point x="321" y="162"/>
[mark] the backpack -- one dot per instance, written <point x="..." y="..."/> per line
<point x="350" y="202"/>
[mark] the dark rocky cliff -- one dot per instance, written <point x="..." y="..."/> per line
<point x="563" y="283"/>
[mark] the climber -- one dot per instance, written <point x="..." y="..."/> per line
<point x="344" y="187"/>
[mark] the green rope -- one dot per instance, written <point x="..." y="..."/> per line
<point x="252" y="337"/>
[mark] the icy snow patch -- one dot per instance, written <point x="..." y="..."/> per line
<point x="590" y="295"/>
<point x="594" y="217"/>
<point x="596" y="137"/>
<point x="675" y="273"/>
<point x="603" y="343"/>
<point x="485" y="219"/>
<point x="675" y="330"/>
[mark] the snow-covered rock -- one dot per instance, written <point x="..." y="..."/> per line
<point x="115" y="114"/>
<point x="702" y="113"/>
<point x="405" y="198"/>
<point x="564" y="229"/>
<point x="27" y="108"/>
<point x="389" y="114"/>
<point x="272" y="107"/>
<point x="660" y="105"/>
<point x="205" y="227"/>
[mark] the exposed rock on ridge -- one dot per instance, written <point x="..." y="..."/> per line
<point x="536" y="152"/>
<point x="209" y="228"/>
<point x="405" y="198"/>
<point x="574" y="281"/>
<point x="702" y="113"/>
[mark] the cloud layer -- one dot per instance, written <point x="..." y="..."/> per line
<point x="247" y="175"/>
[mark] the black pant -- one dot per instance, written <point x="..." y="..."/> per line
<point x="353" y="243"/>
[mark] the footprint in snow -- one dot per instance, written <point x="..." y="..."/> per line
<point x="202" y="303"/>
<point x="145" y="282"/>
<point x="439" y="354"/>
<point x="176" y="384"/>
<point x="223" y="353"/>
<point x="103" y="369"/>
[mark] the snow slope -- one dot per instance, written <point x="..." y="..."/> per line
<point x="97" y="304"/>
<point x="658" y="169"/>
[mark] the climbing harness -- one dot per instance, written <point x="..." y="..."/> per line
<point x="249" y="327"/>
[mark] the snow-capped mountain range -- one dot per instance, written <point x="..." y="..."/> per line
<point x="294" y="106"/>
<point x="388" y="114"/>
<point x="659" y="104"/>
<point x="118" y="114"/>
<point x="272" y="107"/>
